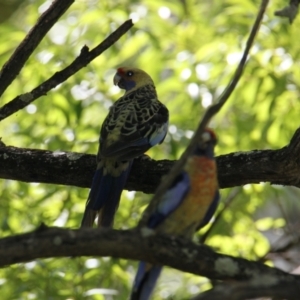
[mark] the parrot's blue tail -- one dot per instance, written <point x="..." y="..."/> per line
<point x="145" y="281"/>
<point x="104" y="198"/>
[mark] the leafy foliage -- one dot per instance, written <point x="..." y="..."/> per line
<point x="190" y="48"/>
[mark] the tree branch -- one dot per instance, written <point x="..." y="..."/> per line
<point x="178" y="253"/>
<point x="84" y="58"/>
<point x="68" y="168"/>
<point x="13" y="66"/>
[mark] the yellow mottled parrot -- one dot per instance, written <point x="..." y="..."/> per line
<point x="136" y="122"/>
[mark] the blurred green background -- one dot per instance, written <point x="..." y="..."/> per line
<point x="191" y="49"/>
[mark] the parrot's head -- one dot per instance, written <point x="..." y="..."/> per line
<point x="131" y="79"/>
<point x="207" y="143"/>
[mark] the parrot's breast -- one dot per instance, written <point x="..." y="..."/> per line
<point x="203" y="185"/>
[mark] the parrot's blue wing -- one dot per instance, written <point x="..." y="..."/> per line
<point x="158" y="136"/>
<point x="171" y="200"/>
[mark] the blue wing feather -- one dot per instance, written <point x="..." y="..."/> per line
<point x="171" y="200"/>
<point x="159" y="135"/>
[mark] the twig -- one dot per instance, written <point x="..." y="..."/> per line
<point x="13" y="66"/>
<point x="211" y="111"/>
<point x="81" y="61"/>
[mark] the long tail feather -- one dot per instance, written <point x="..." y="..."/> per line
<point x="145" y="281"/>
<point x="104" y="198"/>
<point x="89" y="217"/>
<point x="108" y="211"/>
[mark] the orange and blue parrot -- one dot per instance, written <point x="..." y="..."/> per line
<point x="187" y="206"/>
<point x="135" y="123"/>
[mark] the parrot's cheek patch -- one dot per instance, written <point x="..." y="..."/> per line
<point x="127" y="84"/>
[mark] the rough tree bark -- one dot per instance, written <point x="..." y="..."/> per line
<point x="68" y="168"/>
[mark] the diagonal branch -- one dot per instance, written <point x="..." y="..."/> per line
<point x="68" y="168"/>
<point x="84" y="58"/>
<point x="211" y="111"/>
<point x="13" y="66"/>
<point x="178" y="253"/>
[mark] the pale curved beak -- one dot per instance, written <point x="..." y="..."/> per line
<point x="117" y="78"/>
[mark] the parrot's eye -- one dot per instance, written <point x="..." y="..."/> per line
<point x="129" y="73"/>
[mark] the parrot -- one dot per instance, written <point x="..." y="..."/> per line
<point x="185" y="207"/>
<point x="136" y="122"/>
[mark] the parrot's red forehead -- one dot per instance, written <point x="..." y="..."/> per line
<point x="211" y="132"/>
<point x="209" y="135"/>
<point x="121" y="70"/>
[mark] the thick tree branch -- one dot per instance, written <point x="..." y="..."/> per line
<point x="84" y="58"/>
<point x="263" y="286"/>
<point x="30" y="165"/>
<point x="13" y="66"/>
<point x="136" y="244"/>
